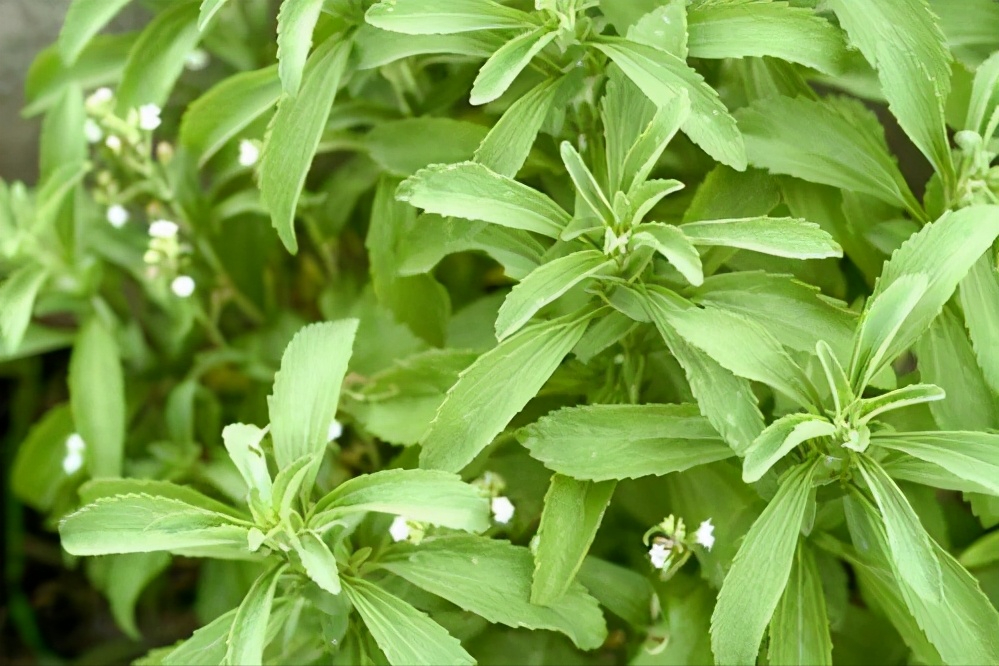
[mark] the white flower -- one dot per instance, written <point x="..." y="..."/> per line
<point x="335" y="430"/>
<point x="100" y="96"/>
<point x="399" y="529"/>
<point x="182" y="285"/>
<point x="113" y="142"/>
<point x="117" y="216"/>
<point x="502" y="509"/>
<point x="149" y="117"/>
<point x="705" y="534"/>
<point x="659" y="553"/>
<point x="163" y="229"/>
<point x="75" y="447"/>
<point x="248" y="153"/>
<point x="196" y="60"/>
<point x="92" y="131"/>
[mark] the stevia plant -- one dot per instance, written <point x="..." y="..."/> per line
<point x="590" y="273"/>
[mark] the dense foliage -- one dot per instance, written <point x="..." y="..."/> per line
<point x="574" y="331"/>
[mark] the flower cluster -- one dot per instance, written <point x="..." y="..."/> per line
<point x="670" y="546"/>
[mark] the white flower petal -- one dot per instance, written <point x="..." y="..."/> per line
<point x="149" y="117"/>
<point x="335" y="430"/>
<point x="196" y="60"/>
<point x="117" y="216"/>
<point x="502" y="509"/>
<point x="399" y="529"/>
<point x="163" y="229"/>
<point x="100" y="96"/>
<point x="182" y="285"/>
<point x="113" y="142"/>
<point x="659" y="553"/>
<point x="92" y="131"/>
<point x="705" y="534"/>
<point x="248" y="153"/>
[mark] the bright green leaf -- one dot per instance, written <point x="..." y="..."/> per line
<point x="779" y="439"/>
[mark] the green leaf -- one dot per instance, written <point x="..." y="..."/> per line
<point x="97" y="397"/>
<point x="96" y="489"/>
<point x="670" y="242"/>
<point x="982" y="553"/>
<point x="755" y="583"/>
<point x="429" y="17"/>
<point x="495" y="388"/>
<point x="984" y="96"/>
<point x="649" y="146"/>
<point x="946" y="359"/>
<point x="569" y="522"/>
<point x="403" y="147"/>
<point x="122" y="578"/>
<point x="227" y="109"/>
<point x="979" y="294"/>
<point x="586" y="184"/>
<point x="943" y="252"/>
<point x="206" y="646"/>
<point x="62" y="139"/>
<point x="622" y="591"/>
<point x="544" y="285"/>
<point x="156" y="60"/>
<point x="100" y="63"/>
<point x="37" y="475"/>
<point x="779" y="236"/>
<point x="318" y="560"/>
<point x="726" y="400"/>
<point x="492" y="579"/>
<point x="17" y="300"/>
<point x="799" y="630"/>
<point x="969" y="455"/>
<point x="376" y="47"/>
<point x="780" y="438"/>
<point x="473" y="192"/>
<point x="743" y="347"/>
<point x="911" y="548"/>
<point x="248" y="636"/>
<point x="295" y="24"/>
<point x="672" y="38"/>
<point x="914" y="394"/>
<point x="662" y="77"/>
<point x="850" y="153"/>
<point x="507" y="63"/>
<point x="902" y="40"/>
<point x="143" y="523"/>
<point x="307" y="389"/>
<point x="879" y="327"/>
<point x="243" y="444"/>
<point x="209" y="8"/>
<point x="418" y="301"/>
<point x="626" y="113"/>
<point x="84" y="19"/>
<point x="294" y="136"/>
<point x="438" y="498"/>
<point x="602" y="442"/>
<point x="758" y="29"/>
<point x="506" y="147"/>
<point x="407" y="636"/>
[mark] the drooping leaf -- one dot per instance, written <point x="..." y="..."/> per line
<point x="438" y="498"/>
<point x="799" y="629"/>
<point x="779" y="439"/>
<point x="969" y="455"/>
<point x="755" y="583"/>
<point x="406" y="635"/>
<point x="144" y="523"/>
<point x="294" y="135"/>
<point x="319" y="562"/>
<point x="779" y="236"/>
<point x="507" y="63"/>
<point x="471" y="191"/>
<point x="428" y="17"/>
<point x="307" y="389"/>
<point x="662" y="77"/>
<point x="495" y="388"/>
<point x="603" y="442"/>
<point x="741" y="29"/>
<point x="242" y="441"/>
<point x="36" y="474"/>
<point x="492" y="579"/>
<point x="569" y="522"/>
<point x="544" y="285"/>
<point x="226" y="109"/>
<point x="671" y="242"/>
<point x="97" y="397"/>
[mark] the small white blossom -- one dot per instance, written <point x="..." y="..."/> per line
<point x="705" y="534"/>
<point x="659" y="553"/>
<point x="335" y="430"/>
<point x="117" y="216"/>
<point x="75" y="446"/>
<point x="100" y="96"/>
<point x="502" y="509"/>
<point x="92" y="131"/>
<point x="149" y="117"/>
<point x="182" y="286"/>
<point x="248" y="153"/>
<point x="113" y="142"/>
<point x="399" y="529"/>
<point x="163" y="229"/>
<point x="196" y="60"/>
